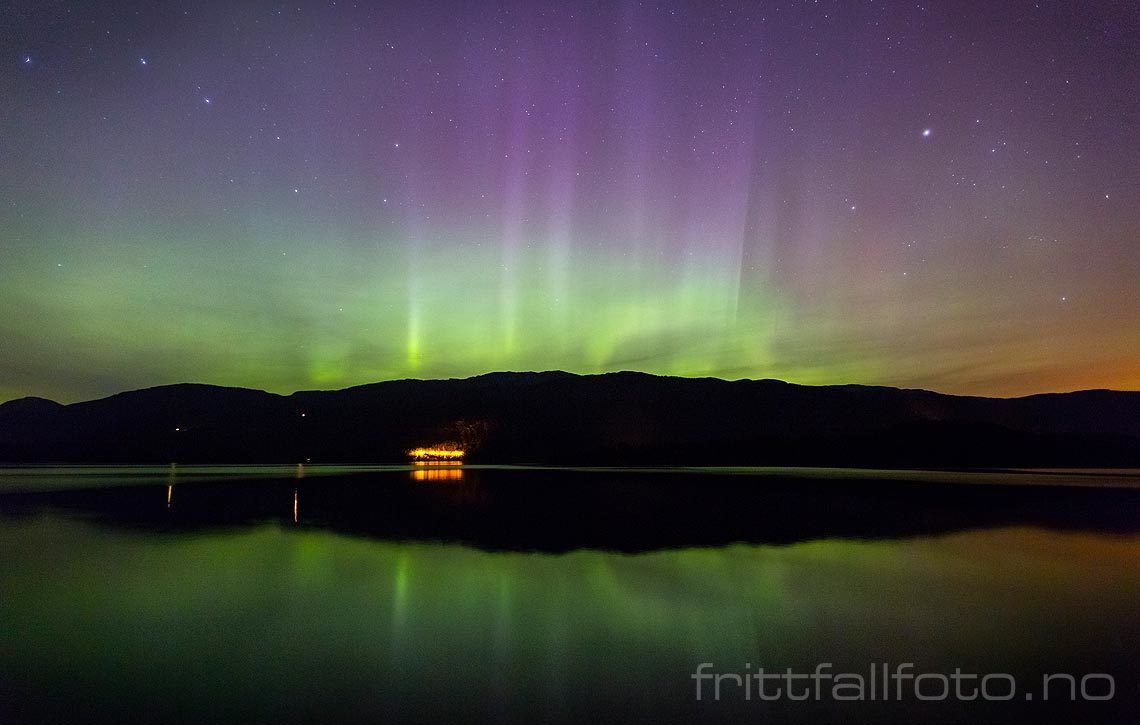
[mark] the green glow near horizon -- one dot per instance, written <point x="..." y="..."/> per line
<point x="124" y="314"/>
<point x="314" y="318"/>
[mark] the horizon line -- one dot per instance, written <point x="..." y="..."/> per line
<point x="570" y="374"/>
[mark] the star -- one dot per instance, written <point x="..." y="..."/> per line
<point x="27" y="60"/>
<point x="926" y="133"/>
<point x="142" y="61"/>
<point x="207" y="100"/>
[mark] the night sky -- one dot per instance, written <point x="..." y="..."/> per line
<point x="315" y="195"/>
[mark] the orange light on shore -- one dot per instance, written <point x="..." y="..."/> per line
<point x="437" y="454"/>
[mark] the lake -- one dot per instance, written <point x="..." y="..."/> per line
<point x="389" y="594"/>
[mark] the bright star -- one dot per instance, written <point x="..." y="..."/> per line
<point x="925" y="132"/>
<point x="207" y="100"/>
<point x="27" y="60"/>
<point x="142" y="61"/>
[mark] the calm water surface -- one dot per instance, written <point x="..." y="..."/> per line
<point x="302" y="594"/>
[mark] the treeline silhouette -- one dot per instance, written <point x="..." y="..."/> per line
<point x="560" y="418"/>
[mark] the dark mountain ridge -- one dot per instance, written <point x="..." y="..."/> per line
<point x="557" y="417"/>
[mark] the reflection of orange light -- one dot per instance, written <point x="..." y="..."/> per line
<point x="437" y="474"/>
<point x="169" y="494"/>
<point x="294" y="505"/>
<point x="436" y="453"/>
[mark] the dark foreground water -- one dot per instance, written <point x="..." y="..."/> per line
<point x="324" y="595"/>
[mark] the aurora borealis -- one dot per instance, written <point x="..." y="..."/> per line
<point x="298" y="195"/>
